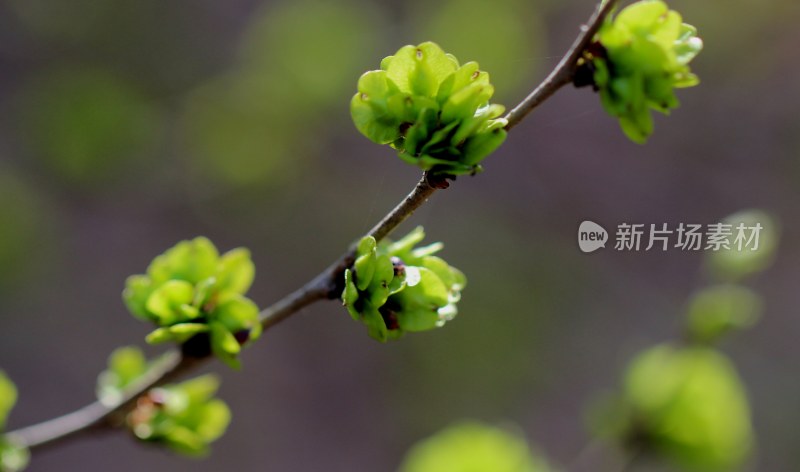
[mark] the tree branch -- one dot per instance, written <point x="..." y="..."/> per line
<point x="565" y="70"/>
<point x="97" y="415"/>
<point x="173" y="364"/>
<point x="327" y="285"/>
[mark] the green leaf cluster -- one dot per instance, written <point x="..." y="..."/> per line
<point x="395" y="288"/>
<point x="191" y="290"/>
<point x="689" y="406"/>
<point x="474" y="447"/>
<point x="13" y="457"/>
<point x="433" y="111"/>
<point x="644" y="55"/>
<point x="184" y="417"/>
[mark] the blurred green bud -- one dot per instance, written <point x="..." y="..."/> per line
<point x="184" y="417"/>
<point x="13" y="457"/>
<point x="125" y="366"/>
<point x="435" y="112"/>
<point x="639" y="58"/>
<point x="91" y="127"/>
<point x="26" y="219"/>
<point x="472" y="447"/>
<point x="191" y="290"/>
<point x="689" y="406"/>
<point x="735" y="263"/>
<point x="8" y="398"/>
<point x="715" y="311"/>
<point x="395" y="288"/>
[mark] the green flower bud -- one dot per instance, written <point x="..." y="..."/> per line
<point x="688" y="405"/>
<point x="475" y="447"/>
<point x="184" y="417"/>
<point x="191" y="290"/>
<point x="395" y="288"/>
<point x="639" y="58"/>
<point x="734" y="263"/>
<point x="125" y="366"/>
<point x="8" y="398"/>
<point x="716" y="311"/>
<point x="13" y="457"/>
<point x="433" y="111"/>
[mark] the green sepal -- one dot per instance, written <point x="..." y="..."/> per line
<point x="449" y="275"/>
<point x="224" y="345"/>
<point x="205" y="291"/>
<point x="364" y="265"/>
<point x="376" y="328"/>
<point x="235" y="272"/>
<point x="688" y="45"/>
<point x="466" y="75"/>
<point x="483" y="121"/>
<point x="200" y="389"/>
<point x="191" y="261"/>
<point x="420" y="302"/>
<point x="237" y="313"/>
<point x="403" y="246"/>
<point x="179" y="333"/>
<point x="464" y="103"/>
<point x="370" y="109"/>
<point x="350" y="294"/>
<point x="419" y="69"/>
<point x="172" y="302"/>
<point x="137" y="291"/>
<point x="382" y="277"/>
<point x="481" y="145"/>
<point x="185" y="441"/>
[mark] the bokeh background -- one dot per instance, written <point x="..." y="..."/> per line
<point x="126" y="126"/>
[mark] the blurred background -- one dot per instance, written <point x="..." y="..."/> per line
<point x="127" y="126"/>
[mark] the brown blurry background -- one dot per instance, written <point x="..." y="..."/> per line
<point x="126" y="126"/>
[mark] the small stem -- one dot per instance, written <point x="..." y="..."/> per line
<point x="404" y="209"/>
<point x="564" y="71"/>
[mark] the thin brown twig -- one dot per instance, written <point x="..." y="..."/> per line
<point x="174" y="364"/>
<point x="564" y="71"/>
